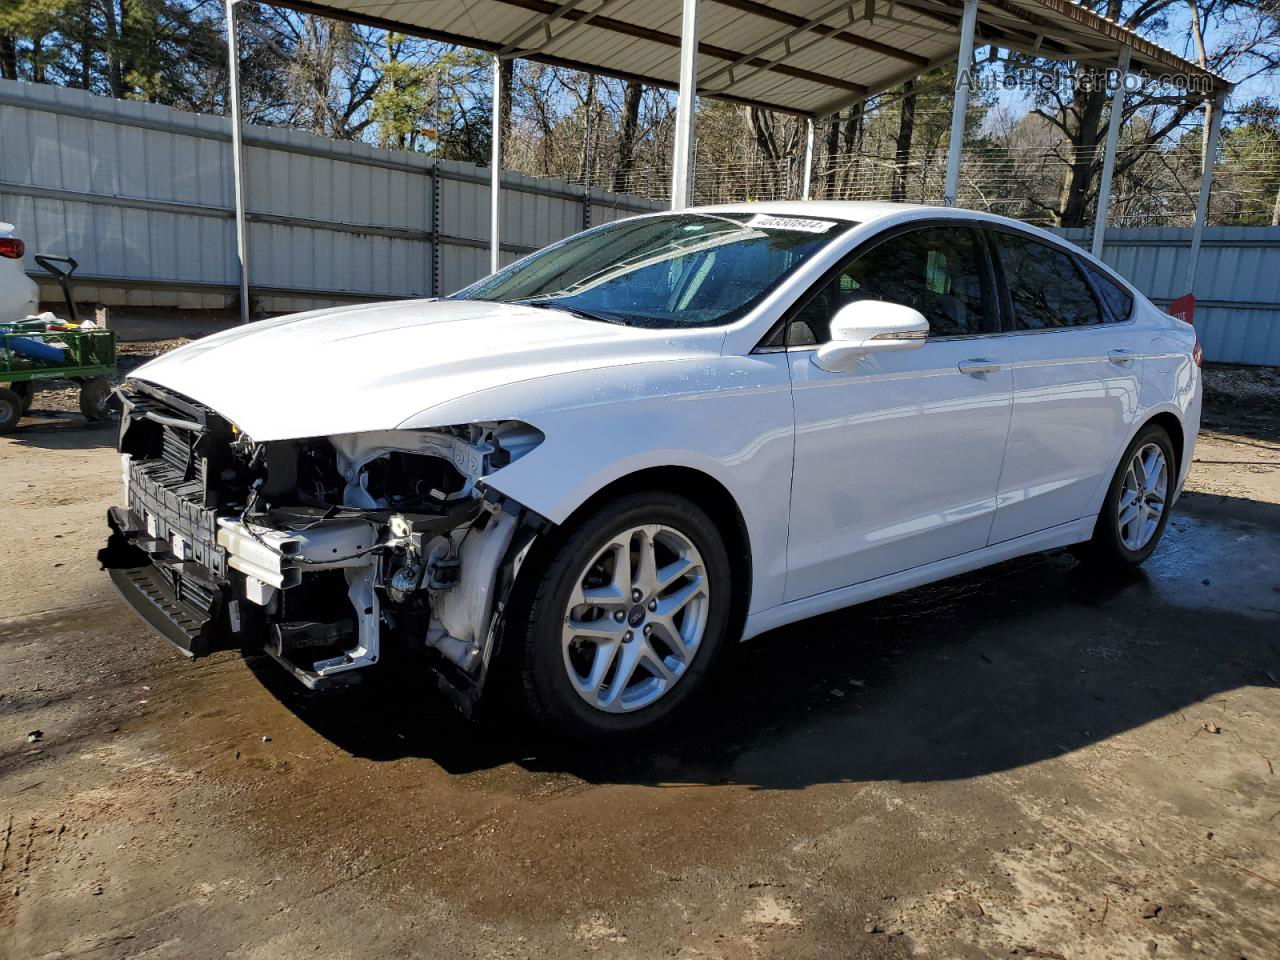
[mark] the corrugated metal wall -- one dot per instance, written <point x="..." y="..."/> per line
<point x="142" y="196"/>
<point x="1237" y="286"/>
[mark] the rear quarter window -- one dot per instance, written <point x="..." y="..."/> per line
<point x="1119" y="301"/>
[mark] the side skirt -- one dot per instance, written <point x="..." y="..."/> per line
<point x="1063" y="535"/>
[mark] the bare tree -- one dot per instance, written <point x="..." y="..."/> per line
<point x="902" y="145"/>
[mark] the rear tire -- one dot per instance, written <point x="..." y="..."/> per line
<point x="10" y="410"/>
<point x="1136" y="509"/>
<point x="617" y="646"/>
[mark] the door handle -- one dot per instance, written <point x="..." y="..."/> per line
<point x="978" y="366"/>
<point x="1120" y="355"/>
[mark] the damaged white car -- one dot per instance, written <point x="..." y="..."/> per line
<point x="598" y="465"/>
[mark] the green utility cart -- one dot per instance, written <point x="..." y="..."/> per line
<point x="30" y="351"/>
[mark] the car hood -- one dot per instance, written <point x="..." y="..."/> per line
<point x="362" y="368"/>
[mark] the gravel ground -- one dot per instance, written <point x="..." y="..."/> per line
<point x="1242" y="388"/>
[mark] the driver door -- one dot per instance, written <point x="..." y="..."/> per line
<point x="897" y="460"/>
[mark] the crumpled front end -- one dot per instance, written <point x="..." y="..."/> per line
<point x="329" y="553"/>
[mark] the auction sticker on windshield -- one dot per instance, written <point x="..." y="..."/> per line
<point x="765" y="221"/>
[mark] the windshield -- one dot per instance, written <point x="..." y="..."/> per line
<point x="677" y="270"/>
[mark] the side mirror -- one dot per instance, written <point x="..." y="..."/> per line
<point x="870" y="326"/>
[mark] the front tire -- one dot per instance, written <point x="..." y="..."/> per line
<point x="628" y="619"/>
<point x="1136" y="509"/>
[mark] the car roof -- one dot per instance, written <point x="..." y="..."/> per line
<point x="860" y="211"/>
<point x="870" y="212"/>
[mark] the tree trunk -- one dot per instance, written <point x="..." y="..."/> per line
<point x="37" y="59"/>
<point x="833" y="150"/>
<point x="1074" y="199"/>
<point x="506" y="81"/>
<point x="1275" y="212"/>
<point x="86" y="46"/>
<point x="128" y="33"/>
<point x="8" y="58"/>
<point x="627" y="136"/>
<point x="852" y="144"/>
<point x="115" y="71"/>
<point x="589" y="109"/>
<point x="1197" y="32"/>
<point x="761" y="124"/>
<point x="902" y="146"/>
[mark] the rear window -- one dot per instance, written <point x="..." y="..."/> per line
<point x="1118" y="300"/>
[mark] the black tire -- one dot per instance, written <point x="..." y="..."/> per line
<point x="549" y="695"/>
<point x="97" y="399"/>
<point x="10" y="410"/>
<point x="26" y="390"/>
<point x="1106" y="548"/>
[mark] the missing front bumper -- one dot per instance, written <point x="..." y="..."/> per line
<point x="179" y="599"/>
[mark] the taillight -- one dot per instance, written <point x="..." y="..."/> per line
<point x="1197" y="352"/>
<point x="12" y="248"/>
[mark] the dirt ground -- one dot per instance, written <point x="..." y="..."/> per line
<point x="1027" y="762"/>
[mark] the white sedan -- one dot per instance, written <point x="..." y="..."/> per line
<point x="19" y="295"/>
<point x="595" y="468"/>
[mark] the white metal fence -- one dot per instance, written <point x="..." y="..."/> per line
<point x="141" y="195"/>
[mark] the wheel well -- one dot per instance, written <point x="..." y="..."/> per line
<point x="709" y="494"/>
<point x="703" y="489"/>
<point x="1173" y="427"/>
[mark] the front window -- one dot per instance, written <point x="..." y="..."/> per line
<point x="674" y="271"/>
<point x="936" y="270"/>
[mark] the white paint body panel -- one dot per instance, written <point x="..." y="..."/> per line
<point x="897" y="463"/>
<point x="850" y="485"/>
<point x="19" y="295"/>
<point x="1074" y="409"/>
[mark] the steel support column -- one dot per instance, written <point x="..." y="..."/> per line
<point x="495" y="171"/>
<point x="808" y="160"/>
<point x="960" y="106"/>
<point x="682" y="152"/>
<point x="1214" y="118"/>
<point x="1109" y="153"/>
<point x="237" y="156"/>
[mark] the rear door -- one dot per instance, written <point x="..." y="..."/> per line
<point x="897" y="459"/>
<point x="1077" y="369"/>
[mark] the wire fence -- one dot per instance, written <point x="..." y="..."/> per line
<point x="1154" y="184"/>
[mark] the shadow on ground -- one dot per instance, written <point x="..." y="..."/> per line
<point x="63" y="430"/>
<point x="987" y="672"/>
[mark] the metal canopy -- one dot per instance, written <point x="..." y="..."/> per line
<point x="809" y="57"/>
<point x="806" y="57"/>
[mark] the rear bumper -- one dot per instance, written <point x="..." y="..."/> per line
<point x="180" y="599"/>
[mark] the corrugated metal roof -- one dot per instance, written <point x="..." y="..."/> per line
<point x="809" y="57"/>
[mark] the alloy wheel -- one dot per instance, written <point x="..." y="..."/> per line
<point x="636" y="618"/>
<point x="1143" y="496"/>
